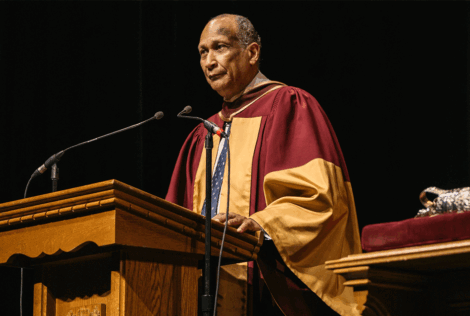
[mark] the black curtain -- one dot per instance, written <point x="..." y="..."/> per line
<point x="392" y="77"/>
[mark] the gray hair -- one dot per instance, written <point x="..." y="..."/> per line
<point x="246" y="33"/>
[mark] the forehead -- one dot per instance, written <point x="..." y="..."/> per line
<point x="219" y="29"/>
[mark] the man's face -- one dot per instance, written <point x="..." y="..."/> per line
<point x="225" y="63"/>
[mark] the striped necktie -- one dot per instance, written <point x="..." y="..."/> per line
<point x="218" y="176"/>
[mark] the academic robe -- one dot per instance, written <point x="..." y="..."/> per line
<point x="288" y="174"/>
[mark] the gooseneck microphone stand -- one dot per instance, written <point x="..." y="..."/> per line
<point x="207" y="299"/>
<point x="54" y="159"/>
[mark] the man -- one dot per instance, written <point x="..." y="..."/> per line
<point x="288" y="177"/>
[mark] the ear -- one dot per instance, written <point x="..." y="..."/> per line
<point x="253" y="52"/>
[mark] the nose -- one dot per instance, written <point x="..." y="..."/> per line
<point x="211" y="62"/>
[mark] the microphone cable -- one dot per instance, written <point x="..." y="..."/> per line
<point x="225" y="229"/>
<point x="21" y="293"/>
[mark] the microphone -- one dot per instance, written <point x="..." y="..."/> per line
<point x="158" y="115"/>
<point x="214" y="129"/>
<point x="49" y="162"/>
<point x="211" y="127"/>
<point x="56" y="157"/>
<point x="187" y="109"/>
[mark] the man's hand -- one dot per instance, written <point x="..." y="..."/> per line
<point x="243" y="223"/>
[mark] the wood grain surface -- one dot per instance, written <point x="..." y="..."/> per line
<point x="111" y="249"/>
<point x="65" y="220"/>
<point x="422" y="280"/>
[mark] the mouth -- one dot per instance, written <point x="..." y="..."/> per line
<point x="215" y="76"/>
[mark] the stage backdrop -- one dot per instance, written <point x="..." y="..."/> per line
<point x="392" y="77"/>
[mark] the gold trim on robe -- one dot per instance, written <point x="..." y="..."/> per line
<point x="308" y="209"/>
<point x="232" y="299"/>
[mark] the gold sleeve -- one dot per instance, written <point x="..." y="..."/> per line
<point x="311" y="217"/>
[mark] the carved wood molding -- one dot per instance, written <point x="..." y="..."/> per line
<point x="365" y="276"/>
<point x="100" y="198"/>
<point x="426" y="280"/>
<point x="398" y="255"/>
<point x="46" y="212"/>
<point x="233" y="244"/>
<point x="57" y="237"/>
<point x="89" y="310"/>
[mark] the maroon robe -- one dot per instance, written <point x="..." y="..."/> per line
<point x="299" y="193"/>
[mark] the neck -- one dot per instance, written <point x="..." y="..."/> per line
<point x="256" y="79"/>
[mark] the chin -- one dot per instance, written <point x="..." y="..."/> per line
<point x="220" y="88"/>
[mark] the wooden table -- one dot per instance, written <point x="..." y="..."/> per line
<point x="422" y="280"/>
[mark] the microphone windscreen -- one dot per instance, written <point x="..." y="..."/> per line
<point x="158" y="115"/>
<point x="187" y="109"/>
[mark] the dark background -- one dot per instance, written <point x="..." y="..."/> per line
<point x="392" y="77"/>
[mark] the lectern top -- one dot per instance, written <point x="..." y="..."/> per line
<point x="120" y="215"/>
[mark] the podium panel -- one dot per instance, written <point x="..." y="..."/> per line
<point x="124" y="282"/>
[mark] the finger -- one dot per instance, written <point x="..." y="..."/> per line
<point x="236" y="221"/>
<point x="219" y="218"/>
<point x="244" y="226"/>
<point x="249" y="225"/>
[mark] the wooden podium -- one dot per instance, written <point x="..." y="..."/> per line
<point x="111" y="249"/>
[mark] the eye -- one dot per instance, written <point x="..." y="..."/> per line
<point x="221" y="46"/>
